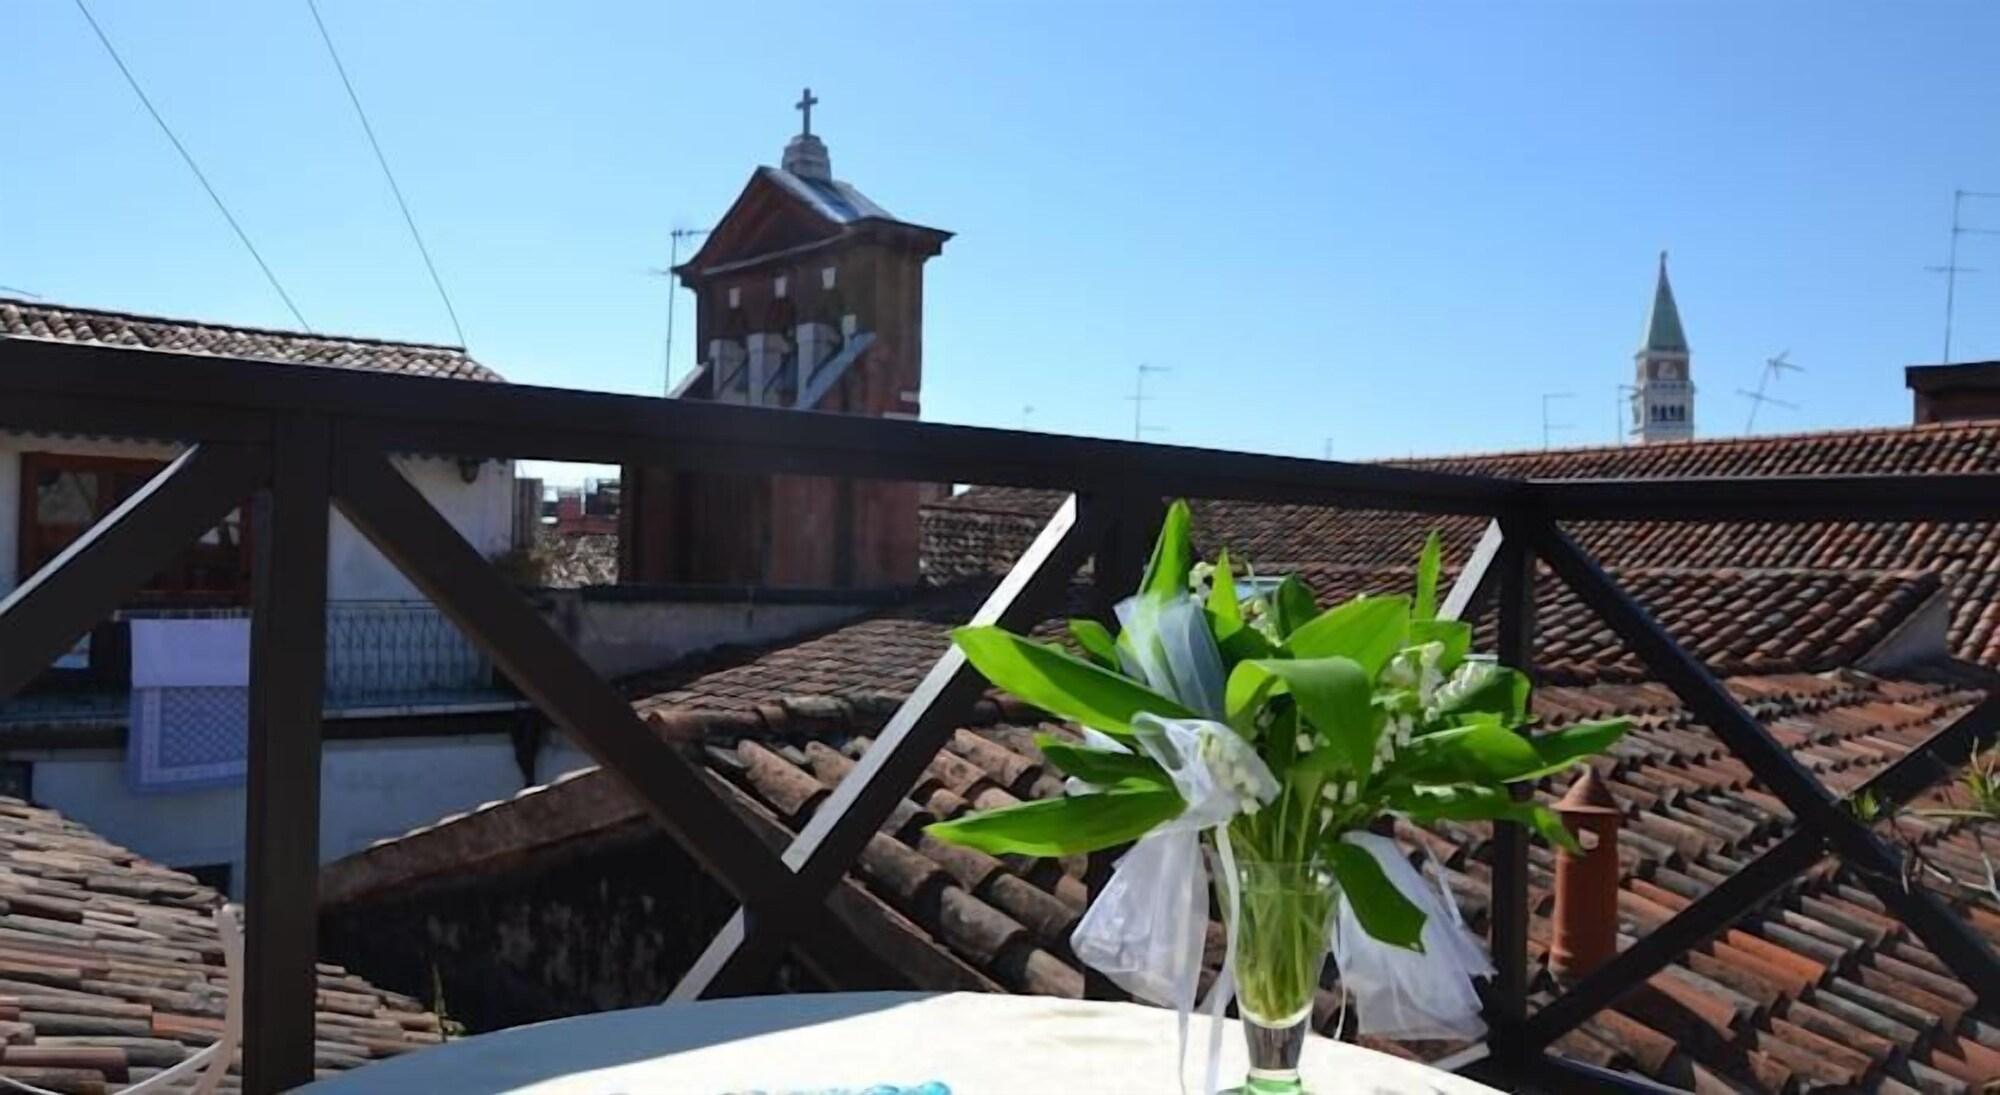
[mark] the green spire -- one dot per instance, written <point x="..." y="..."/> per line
<point x="1663" y="327"/>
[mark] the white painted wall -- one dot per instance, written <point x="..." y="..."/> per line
<point x="482" y="511"/>
<point x="368" y="790"/>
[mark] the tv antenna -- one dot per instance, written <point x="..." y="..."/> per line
<point x="1621" y="405"/>
<point x="1774" y="367"/>
<point x="1139" y="400"/>
<point x="1951" y="269"/>
<point x="673" y="298"/>
<point x="1549" y="427"/>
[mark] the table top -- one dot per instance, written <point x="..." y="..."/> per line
<point x="973" y="1043"/>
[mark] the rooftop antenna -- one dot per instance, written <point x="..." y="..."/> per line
<point x="1139" y="400"/>
<point x="1773" y="368"/>
<point x="1326" y="449"/>
<point x="1549" y="427"/>
<point x="1951" y="269"/>
<point x="673" y="298"/>
<point x="1621" y="402"/>
<point x="1027" y="412"/>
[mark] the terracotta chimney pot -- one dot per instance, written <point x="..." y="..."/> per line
<point x="1586" y="925"/>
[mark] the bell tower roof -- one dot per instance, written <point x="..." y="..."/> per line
<point x="1663" y="326"/>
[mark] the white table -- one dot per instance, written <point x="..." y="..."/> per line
<point x="975" y="1043"/>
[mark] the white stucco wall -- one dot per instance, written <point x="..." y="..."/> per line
<point x="368" y="790"/>
<point x="482" y="511"/>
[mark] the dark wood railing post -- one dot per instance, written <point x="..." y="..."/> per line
<point x="287" y="681"/>
<point x="1514" y="567"/>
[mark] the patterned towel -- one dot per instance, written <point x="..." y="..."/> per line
<point x="190" y="724"/>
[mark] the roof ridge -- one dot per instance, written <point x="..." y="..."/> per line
<point x="1752" y="440"/>
<point x="182" y="321"/>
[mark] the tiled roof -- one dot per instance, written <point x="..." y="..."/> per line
<point x="33" y="319"/>
<point x="989" y="526"/>
<point x="1735" y="620"/>
<point x="111" y="967"/>
<point x="1818" y="989"/>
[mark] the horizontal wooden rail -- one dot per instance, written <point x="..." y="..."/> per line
<point x="1775" y="498"/>
<point x="456" y="417"/>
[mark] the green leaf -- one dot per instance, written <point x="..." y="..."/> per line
<point x="1368" y="630"/>
<point x="1332" y="693"/>
<point x="1096" y="641"/>
<point x="1496" y="690"/>
<point x="1483" y="752"/>
<point x="1225" y="613"/>
<point x="1559" y="748"/>
<point x="1064" y="686"/>
<point x="1173" y="555"/>
<point x="1100" y="766"/>
<point x="1244" y="644"/>
<point x="1064" y="826"/>
<point x="1382" y="909"/>
<point x="1429" y="565"/>
<point x="1428" y="804"/>
<point x="1456" y="635"/>
<point x="1293" y="605"/>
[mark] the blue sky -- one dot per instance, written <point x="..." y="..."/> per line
<point x="1394" y="226"/>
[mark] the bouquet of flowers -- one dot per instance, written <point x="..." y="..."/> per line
<point x="1255" y="732"/>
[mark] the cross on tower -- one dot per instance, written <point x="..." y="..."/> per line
<point x="805" y="106"/>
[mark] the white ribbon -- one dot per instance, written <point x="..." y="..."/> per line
<point x="1145" y="930"/>
<point x="1405" y="994"/>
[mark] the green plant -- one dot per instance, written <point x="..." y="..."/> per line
<point x="1320" y="721"/>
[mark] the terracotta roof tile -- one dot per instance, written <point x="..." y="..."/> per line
<point x="111" y="968"/>
<point x="1757" y="1008"/>
<point x="988" y="527"/>
<point x="33" y="319"/>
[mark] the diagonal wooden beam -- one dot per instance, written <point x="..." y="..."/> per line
<point x="43" y="616"/>
<point x="1912" y="774"/>
<point x="739" y="957"/>
<point x="402" y="525"/>
<point x="1877" y="865"/>
<point x="1475" y="581"/>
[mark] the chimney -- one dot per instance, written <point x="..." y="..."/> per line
<point x="1954" y="393"/>
<point x="1586" y="928"/>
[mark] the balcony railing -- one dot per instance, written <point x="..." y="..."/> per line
<point x="304" y="439"/>
<point x="381" y="657"/>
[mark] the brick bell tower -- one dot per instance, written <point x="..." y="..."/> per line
<point x="808" y="297"/>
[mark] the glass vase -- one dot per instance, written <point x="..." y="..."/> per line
<point x="1283" y="932"/>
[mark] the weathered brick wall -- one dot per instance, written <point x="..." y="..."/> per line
<point x="609" y="922"/>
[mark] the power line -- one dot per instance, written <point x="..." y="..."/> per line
<point x="188" y="158"/>
<point x="401" y="204"/>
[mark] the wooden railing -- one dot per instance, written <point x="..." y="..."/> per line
<point x="304" y="439"/>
